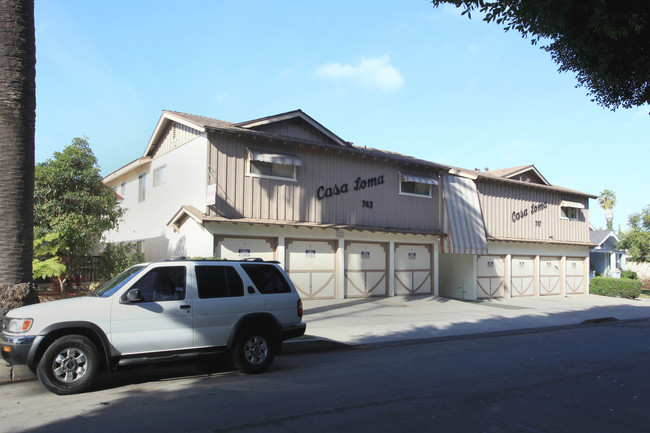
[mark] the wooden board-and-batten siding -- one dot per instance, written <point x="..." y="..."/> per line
<point x="175" y="135"/>
<point x="378" y="204"/>
<point x="529" y="213"/>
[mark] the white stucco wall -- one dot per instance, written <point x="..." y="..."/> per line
<point x="184" y="183"/>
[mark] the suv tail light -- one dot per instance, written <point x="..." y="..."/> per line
<point x="299" y="307"/>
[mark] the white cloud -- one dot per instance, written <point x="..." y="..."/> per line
<point x="375" y="73"/>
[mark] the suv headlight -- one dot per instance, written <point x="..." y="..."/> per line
<point x="16" y="326"/>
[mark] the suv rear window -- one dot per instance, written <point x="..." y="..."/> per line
<point x="218" y="282"/>
<point x="267" y="278"/>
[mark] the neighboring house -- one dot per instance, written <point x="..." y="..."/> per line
<point x="605" y="259"/>
<point x="350" y="221"/>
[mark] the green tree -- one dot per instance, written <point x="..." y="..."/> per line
<point x="605" y="42"/>
<point x="607" y="200"/>
<point x="71" y="199"/>
<point x="636" y="241"/>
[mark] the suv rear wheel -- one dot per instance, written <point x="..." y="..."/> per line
<point x="68" y="365"/>
<point x="254" y="351"/>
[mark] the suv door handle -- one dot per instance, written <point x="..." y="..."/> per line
<point x="185" y="307"/>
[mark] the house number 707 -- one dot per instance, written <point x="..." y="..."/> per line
<point x="366" y="203"/>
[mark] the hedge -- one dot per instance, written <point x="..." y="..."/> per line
<point x="616" y="287"/>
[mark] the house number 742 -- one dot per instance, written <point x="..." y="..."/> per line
<point x="366" y="203"/>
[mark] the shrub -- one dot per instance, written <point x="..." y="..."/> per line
<point x="646" y="284"/>
<point x="118" y="257"/>
<point x="629" y="274"/>
<point x="615" y="287"/>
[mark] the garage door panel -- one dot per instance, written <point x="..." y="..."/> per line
<point x="549" y="276"/>
<point x="413" y="282"/>
<point x="490" y="277"/>
<point x="575" y="275"/>
<point x="233" y="248"/>
<point x="523" y="276"/>
<point x="413" y="270"/>
<point x="311" y="265"/>
<point x="365" y="273"/>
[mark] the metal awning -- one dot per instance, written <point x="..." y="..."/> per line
<point x="567" y="203"/>
<point x="406" y="177"/>
<point x="462" y="217"/>
<point x="274" y="158"/>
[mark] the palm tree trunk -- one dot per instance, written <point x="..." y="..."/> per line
<point x="17" y="124"/>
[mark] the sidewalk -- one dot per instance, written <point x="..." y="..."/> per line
<point x="337" y="323"/>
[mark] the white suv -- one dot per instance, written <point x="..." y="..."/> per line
<point x="157" y="311"/>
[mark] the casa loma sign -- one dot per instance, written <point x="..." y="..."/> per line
<point x="359" y="184"/>
<point x="534" y="208"/>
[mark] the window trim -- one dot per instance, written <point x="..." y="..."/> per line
<point x="272" y="158"/>
<point x="564" y="215"/>
<point x="416" y="179"/>
<point x="142" y="187"/>
<point x="268" y="176"/>
<point x="159" y="175"/>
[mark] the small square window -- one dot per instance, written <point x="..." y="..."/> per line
<point x="569" y="212"/>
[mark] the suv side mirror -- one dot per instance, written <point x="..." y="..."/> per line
<point x="134" y="295"/>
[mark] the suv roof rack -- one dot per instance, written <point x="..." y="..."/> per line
<point x="210" y="259"/>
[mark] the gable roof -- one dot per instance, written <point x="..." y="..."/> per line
<point x="599" y="237"/>
<point x="489" y="175"/>
<point x="516" y="173"/>
<point x="296" y="114"/>
<point x="202" y="124"/>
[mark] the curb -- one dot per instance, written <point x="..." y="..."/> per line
<point x="21" y="373"/>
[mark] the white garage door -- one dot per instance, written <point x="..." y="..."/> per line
<point x="365" y="270"/>
<point x="523" y="276"/>
<point x="575" y="275"/>
<point x="549" y="276"/>
<point x="312" y="267"/>
<point x="413" y="270"/>
<point x="243" y="248"/>
<point x="490" y="277"/>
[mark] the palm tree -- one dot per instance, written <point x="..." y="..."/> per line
<point x="607" y="200"/>
<point x="17" y="124"/>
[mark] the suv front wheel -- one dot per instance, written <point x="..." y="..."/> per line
<point x="68" y="365"/>
<point x="254" y="351"/>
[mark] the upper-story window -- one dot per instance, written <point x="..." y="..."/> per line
<point x="142" y="186"/>
<point x="159" y="175"/>
<point x="570" y="209"/>
<point x="272" y="165"/>
<point x="123" y="189"/>
<point x="411" y="184"/>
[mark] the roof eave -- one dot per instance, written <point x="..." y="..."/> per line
<point x="164" y="120"/>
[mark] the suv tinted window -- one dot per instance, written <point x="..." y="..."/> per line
<point x="163" y="284"/>
<point x="218" y="282"/>
<point x="266" y="278"/>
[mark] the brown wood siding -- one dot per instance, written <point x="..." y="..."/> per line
<point x="239" y="195"/>
<point x="514" y="212"/>
<point x="175" y="135"/>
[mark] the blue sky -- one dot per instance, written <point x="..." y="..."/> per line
<point x="394" y="75"/>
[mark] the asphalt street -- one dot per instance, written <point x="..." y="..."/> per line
<point x="590" y="378"/>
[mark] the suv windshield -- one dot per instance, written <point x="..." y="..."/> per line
<point x="115" y="283"/>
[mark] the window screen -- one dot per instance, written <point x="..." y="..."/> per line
<point x="218" y="282"/>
